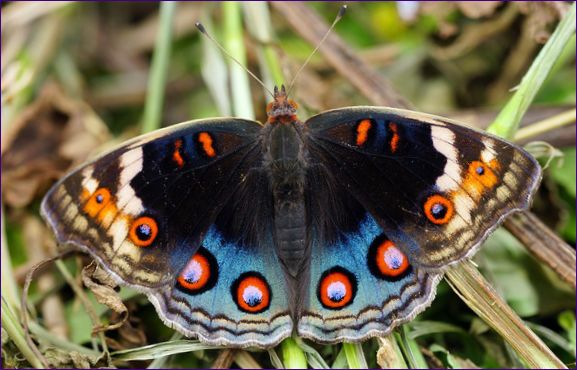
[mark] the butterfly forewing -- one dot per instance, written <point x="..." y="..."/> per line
<point x="436" y="188"/>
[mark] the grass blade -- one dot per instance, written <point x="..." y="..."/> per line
<point x="159" y="69"/>
<point x="292" y="355"/>
<point x="507" y="121"/>
<point x="355" y="356"/>
<point x="234" y="44"/>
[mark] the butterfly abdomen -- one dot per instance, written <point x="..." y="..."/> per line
<point x="286" y="166"/>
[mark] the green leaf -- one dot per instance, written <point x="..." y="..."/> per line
<point x="567" y="321"/>
<point x="564" y="174"/>
<point x="355" y="356"/>
<point x="421" y="328"/>
<point x="452" y="361"/>
<point x="155" y="351"/>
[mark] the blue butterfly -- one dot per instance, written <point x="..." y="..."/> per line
<point x="336" y="228"/>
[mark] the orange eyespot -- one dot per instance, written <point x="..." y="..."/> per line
<point x="97" y="201"/>
<point x="143" y="231"/>
<point x="205" y="140"/>
<point x="438" y="209"/>
<point x="195" y="274"/>
<point x="390" y="260"/>
<point x="483" y="173"/>
<point x="337" y="288"/>
<point x="251" y="292"/>
<point x="200" y="274"/>
<point x="395" y="139"/>
<point x="176" y="156"/>
<point x="363" y="131"/>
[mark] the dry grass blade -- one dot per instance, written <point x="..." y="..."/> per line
<point x="468" y="282"/>
<point x="246" y="361"/>
<point x="225" y="359"/>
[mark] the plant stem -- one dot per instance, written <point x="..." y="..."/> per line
<point x="546" y="125"/>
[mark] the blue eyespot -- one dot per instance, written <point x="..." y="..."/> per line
<point x="336" y="291"/>
<point x="337" y="288"/>
<point x="252" y="296"/>
<point x="99" y="198"/>
<point x="144" y="232"/>
<point x="438" y="210"/>
<point x="480" y="170"/>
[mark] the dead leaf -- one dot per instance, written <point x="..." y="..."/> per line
<point x="131" y="334"/>
<point x="44" y="141"/>
<point x="102" y="286"/>
<point x="58" y="358"/>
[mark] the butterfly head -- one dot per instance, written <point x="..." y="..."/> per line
<point x="281" y="109"/>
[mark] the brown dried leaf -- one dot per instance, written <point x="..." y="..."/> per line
<point x="58" y="358"/>
<point x="387" y="356"/>
<point x="102" y="286"/>
<point x="131" y="334"/>
<point x="44" y="141"/>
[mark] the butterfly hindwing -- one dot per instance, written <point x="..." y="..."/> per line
<point x="228" y="294"/>
<point x="361" y="284"/>
<point x="436" y="188"/>
<point x="232" y="291"/>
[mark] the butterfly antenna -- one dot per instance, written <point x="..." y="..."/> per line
<point x="340" y="15"/>
<point x="204" y="32"/>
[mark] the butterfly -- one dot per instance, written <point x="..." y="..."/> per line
<point x="336" y="229"/>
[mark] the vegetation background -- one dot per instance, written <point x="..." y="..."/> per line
<point x="79" y="78"/>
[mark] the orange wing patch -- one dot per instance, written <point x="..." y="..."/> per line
<point x="395" y="139"/>
<point x="176" y="156"/>
<point x="206" y="141"/>
<point x="96" y="202"/>
<point x="479" y="177"/>
<point x="196" y="274"/>
<point x="363" y="131"/>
